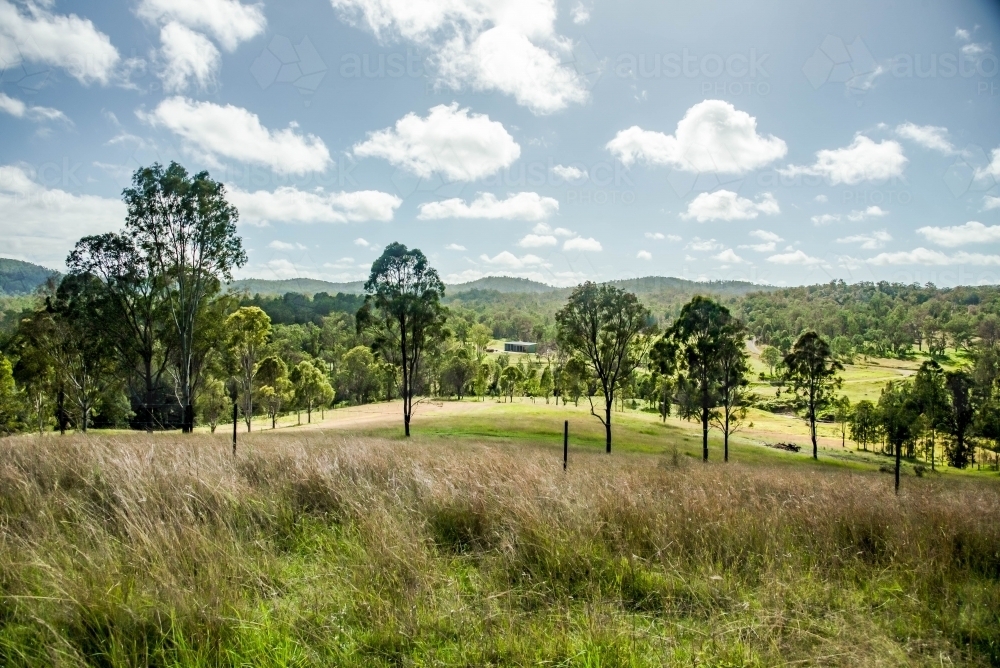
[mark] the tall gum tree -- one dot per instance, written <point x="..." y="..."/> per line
<point x="187" y="229"/>
<point x="812" y="372"/>
<point x="611" y="330"/>
<point x="404" y="314"/>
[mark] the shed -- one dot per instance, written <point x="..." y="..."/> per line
<point x="520" y="347"/>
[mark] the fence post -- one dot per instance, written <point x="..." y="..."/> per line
<point x="565" y="443"/>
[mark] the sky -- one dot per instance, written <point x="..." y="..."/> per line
<point x="775" y="142"/>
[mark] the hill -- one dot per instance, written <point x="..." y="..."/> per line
<point x="305" y="286"/>
<point x="21" y="278"/>
<point x="505" y="284"/>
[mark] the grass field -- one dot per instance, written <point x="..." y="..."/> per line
<point x="345" y="544"/>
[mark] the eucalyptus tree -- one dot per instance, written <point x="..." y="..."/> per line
<point x="133" y="311"/>
<point x="897" y="415"/>
<point x="959" y="417"/>
<point x="931" y="396"/>
<point x="691" y="349"/>
<point x="247" y="331"/>
<point x="187" y="230"/>
<point x="734" y="387"/>
<point x="403" y="312"/>
<point x="610" y="330"/>
<point x="812" y="373"/>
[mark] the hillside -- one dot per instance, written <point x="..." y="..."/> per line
<point x="21" y="278"/>
<point x="305" y="286"/>
<point x="504" y="284"/>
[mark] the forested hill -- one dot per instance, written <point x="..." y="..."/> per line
<point x="302" y="286"/>
<point x="21" y="278"/>
<point x="504" y="284"/>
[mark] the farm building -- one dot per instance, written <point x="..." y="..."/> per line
<point x="519" y="347"/>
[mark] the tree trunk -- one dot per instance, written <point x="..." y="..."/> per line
<point x="725" y="438"/>
<point x="607" y="426"/>
<point x="812" y="430"/>
<point x="704" y="424"/>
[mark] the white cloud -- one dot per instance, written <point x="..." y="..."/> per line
<point x="36" y="35"/>
<point x="228" y="21"/>
<point x="361" y="241"/>
<point x="588" y="245"/>
<point x="821" y="198"/>
<point x="959" y="235"/>
<point x="508" y="46"/>
<point x="767" y="247"/>
<point x="508" y="260"/>
<point x="545" y="228"/>
<point x="962" y="34"/>
<point x="41" y="224"/>
<point x="871" y="241"/>
<point x="974" y="50"/>
<point x="285" y="246"/>
<point x="19" y="109"/>
<point x="450" y="141"/>
<point x="992" y="169"/>
<point x="675" y="238"/>
<point x="580" y="13"/>
<point x="712" y="137"/>
<point x="210" y="131"/>
<point x="697" y="244"/>
<point x="934" y="258"/>
<point x="863" y="160"/>
<point x="569" y="173"/>
<point x="933" y="137"/>
<point x="657" y="236"/>
<point x="765" y="235"/>
<point x="189" y="57"/>
<point x="519" y="206"/>
<point x="455" y="247"/>
<point x="795" y="258"/>
<point x="727" y="205"/>
<point x="990" y="202"/>
<point x="872" y="211"/>
<point x="291" y="205"/>
<point x="728" y="256"/>
<point x="537" y="241"/>
<point x="644" y="255"/>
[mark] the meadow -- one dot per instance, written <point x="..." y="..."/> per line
<point x="341" y="543"/>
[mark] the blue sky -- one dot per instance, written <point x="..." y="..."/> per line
<point x="562" y="141"/>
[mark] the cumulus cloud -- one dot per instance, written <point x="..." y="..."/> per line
<point x="37" y="35"/>
<point x="41" y="224"/>
<point x="509" y="46"/>
<point x="569" y="173"/>
<point x="934" y="258"/>
<point x="962" y="34"/>
<point x="992" y="169"/>
<point x="644" y="255"/>
<point x="450" y="141"/>
<point x="189" y="57"/>
<point x="871" y="241"/>
<point x="285" y="246"/>
<point x="933" y="137"/>
<point x="580" y="13"/>
<point x="765" y="235"/>
<point x="291" y="205"/>
<point x="769" y="241"/>
<point x="20" y="109"/>
<point x="210" y="132"/>
<point x="821" y="198"/>
<point x="361" y="241"/>
<point x="519" y="206"/>
<point x="796" y="257"/>
<point x="990" y="202"/>
<point x="587" y="245"/>
<point x="959" y="235"/>
<point x="537" y="241"/>
<point x="454" y="247"/>
<point x="228" y="21"/>
<point x="508" y="260"/>
<point x="857" y="215"/>
<point x="712" y="137"/>
<point x="656" y="236"/>
<point x="727" y="205"/>
<point x="728" y="256"/>
<point x="697" y="244"/>
<point x="545" y="228"/>
<point x="863" y="160"/>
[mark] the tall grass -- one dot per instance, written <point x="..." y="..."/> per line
<point x="312" y="549"/>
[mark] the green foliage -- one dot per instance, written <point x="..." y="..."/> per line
<point x="294" y="308"/>
<point x="813" y="374"/>
<point x="22" y="278"/>
<point x="11" y="401"/>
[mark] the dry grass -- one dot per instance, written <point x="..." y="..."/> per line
<point x="321" y="549"/>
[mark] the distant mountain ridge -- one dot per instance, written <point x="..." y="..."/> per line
<point x="22" y="278"/>
<point x="305" y="286"/>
